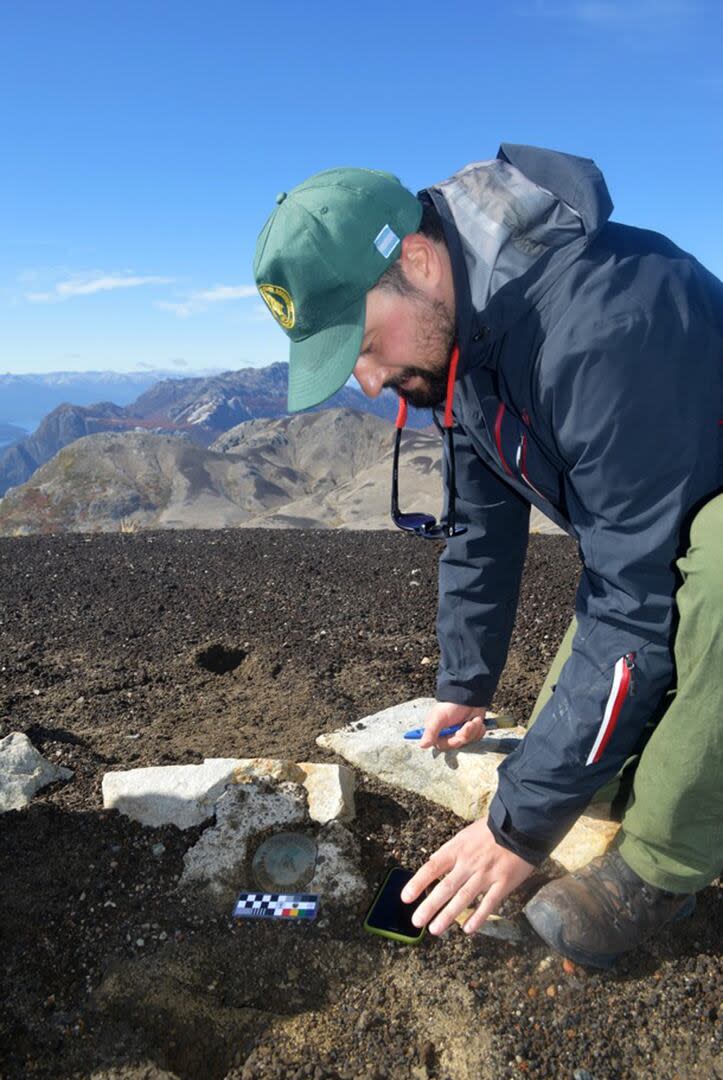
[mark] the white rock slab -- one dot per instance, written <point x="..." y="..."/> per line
<point x="464" y="781"/>
<point x="23" y="771"/>
<point x="182" y="795"/>
<point x="220" y="861"/>
<point x="218" y="858"/>
<point x="186" y="795"/>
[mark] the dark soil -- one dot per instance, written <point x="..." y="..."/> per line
<point x="165" y="648"/>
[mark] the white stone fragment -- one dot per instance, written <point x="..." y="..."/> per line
<point x="337" y="875"/>
<point x="494" y="926"/>
<point x="329" y="788"/>
<point x="464" y="781"/>
<point x="23" y="771"/>
<point x="182" y="795"/>
<point x="330" y="791"/>
<point x="217" y="860"/>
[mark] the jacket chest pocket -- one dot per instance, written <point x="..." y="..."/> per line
<point x="521" y="457"/>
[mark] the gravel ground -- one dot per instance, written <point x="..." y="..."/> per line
<point x="165" y="648"/>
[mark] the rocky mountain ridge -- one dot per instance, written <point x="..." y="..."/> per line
<point x="62" y="426"/>
<point x="328" y="469"/>
<point x="199" y="409"/>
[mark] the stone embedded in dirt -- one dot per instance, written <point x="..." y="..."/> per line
<point x="591" y="835"/>
<point x="464" y="780"/>
<point x="329" y="788"/>
<point x="186" y="795"/>
<point x="495" y="926"/>
<point x="23" y="771"/>
<point x="218" y="859"/>
<point x="330" y="791"/>
<point x="182" y="795"/>
<point x="248" y="797"/>
<point x="338" y="873"/>
<point x="263" y="1019"/>
<point x="221" y="860"/>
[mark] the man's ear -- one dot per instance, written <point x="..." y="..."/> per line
<point x="419" y="260"/>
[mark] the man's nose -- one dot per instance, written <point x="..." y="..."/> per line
<point x="370" y="376"/>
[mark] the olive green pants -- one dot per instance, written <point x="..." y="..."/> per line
<point x="672" y="826"/>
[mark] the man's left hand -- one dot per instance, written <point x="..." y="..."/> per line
<point x="469" y="864"/>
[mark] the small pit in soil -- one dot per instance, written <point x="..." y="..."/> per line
<point x="219" y="659"/>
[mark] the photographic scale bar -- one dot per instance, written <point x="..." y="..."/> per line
<point x="256" y="905"/>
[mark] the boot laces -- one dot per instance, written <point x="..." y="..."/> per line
<point x="619" y="891"/>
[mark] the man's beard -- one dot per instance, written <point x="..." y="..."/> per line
<point x="435" y="338"/>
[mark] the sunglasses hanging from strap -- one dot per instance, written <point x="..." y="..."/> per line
<point x="426" y="525"/>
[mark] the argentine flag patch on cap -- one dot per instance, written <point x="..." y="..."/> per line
<point x="386" y="241"/>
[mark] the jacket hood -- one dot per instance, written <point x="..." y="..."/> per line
<point x="513" y="224"/>
<point x="574" y="180"/>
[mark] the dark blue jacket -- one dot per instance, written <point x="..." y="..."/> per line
<point x="589" y="385"/>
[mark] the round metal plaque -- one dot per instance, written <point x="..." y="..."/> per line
<point x="284" y="862"/>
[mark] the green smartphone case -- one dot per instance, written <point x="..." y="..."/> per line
<point x="391" y="934"/>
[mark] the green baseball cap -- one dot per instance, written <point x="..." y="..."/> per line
<point x="327" y="243"/>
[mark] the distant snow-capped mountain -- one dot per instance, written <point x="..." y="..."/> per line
<point x="26" y="398"/>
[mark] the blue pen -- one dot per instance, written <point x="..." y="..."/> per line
<point x="417" y="732"/>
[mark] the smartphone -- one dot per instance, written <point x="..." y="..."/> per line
<point x="389" y="916"/>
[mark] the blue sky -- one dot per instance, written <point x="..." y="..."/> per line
<point x="144" y="143"/>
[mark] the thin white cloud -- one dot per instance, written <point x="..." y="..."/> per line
<point x="88" y="285"/>
<point x="202" y="298"/>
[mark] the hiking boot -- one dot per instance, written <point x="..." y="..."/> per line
<point x="602" y="911"/>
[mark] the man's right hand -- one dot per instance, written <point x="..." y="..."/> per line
<point x="445" y="714"/>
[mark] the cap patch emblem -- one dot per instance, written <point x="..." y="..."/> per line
<point x="386" y="241"/>
<point x="279" y="304"/>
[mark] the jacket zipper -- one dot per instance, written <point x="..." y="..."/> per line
<point x="622" y="686"/>
<point x="521" y="462"/>
<point x="498" y="436"/>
